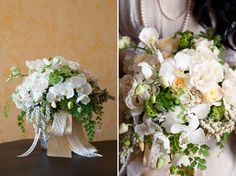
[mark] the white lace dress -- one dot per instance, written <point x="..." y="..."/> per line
<point x="136" y="14"/>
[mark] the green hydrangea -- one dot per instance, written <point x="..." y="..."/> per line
<point x="217" y="112"/>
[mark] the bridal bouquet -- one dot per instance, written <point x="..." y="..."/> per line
<point x="177" y="94"/>
<point x="59" y="99"/>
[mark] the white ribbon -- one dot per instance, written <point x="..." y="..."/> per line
<point x="32" y="147"/>
<point x="62" y="126"/>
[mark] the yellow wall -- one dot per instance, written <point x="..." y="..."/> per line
<point x="82" y="30"/>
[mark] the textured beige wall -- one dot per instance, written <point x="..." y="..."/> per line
<point x="83" y="30"/>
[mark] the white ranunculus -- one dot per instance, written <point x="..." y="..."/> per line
<point x="134" y="102"/>
<point x="203" y="45"/>
<point x="206" y="74"/>
<point x="125" y="84"/>
<point x="149" y="36"/>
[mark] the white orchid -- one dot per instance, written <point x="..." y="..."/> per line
<point x="173" y="69"/>
<point x="147" y="127"/>
<point x="192" y="133"/>
<point x="35" y="65"/>
<point x="171" y="118"/>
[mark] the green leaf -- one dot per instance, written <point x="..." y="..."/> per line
<point x="54" y="77"/>
<point x="20" y="121"/>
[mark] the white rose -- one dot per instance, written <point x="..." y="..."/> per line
<point x="206" y="74"/>
<point x="214" y="95"/>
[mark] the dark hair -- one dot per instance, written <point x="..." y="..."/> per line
<point x="224" y="12"/>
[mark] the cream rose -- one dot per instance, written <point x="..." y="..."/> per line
<point x="206" y="74"/>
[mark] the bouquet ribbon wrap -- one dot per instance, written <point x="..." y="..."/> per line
<point x="65" y="136"/>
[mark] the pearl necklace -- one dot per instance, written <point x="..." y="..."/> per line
<point x="186" y="13"/>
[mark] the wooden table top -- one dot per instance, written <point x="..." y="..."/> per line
<point x="39" y="164"/>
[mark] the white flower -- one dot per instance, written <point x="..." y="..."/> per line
<point x="83" y="99"/>
<point x="66" y="89"/>
<point x="214" y="95"/>
<point x="171" y="118"/>
<point x="38" y="83"/>
<point x="193" y="134"/>
<point x="180" y="159"/>
<point x="77" y="81"/>
<point x="35" y="65"/>
<point x="149" y="36"/>
<point x="200" y="111"/>
<point x="53" y="94"/>
<point x="125" y="84"/>
<point x="123" y="128"/>
<point x="207" y="48"/>
<point x="135" y="102"/>
<point x="22" y="98"/>
<point x="59" y="61"/>
<point x="206" y="74"/>
<point x="172" y="69"/>
<point x="146" y="70"/>
<point x="147" y="127"/>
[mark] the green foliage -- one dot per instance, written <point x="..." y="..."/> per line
<point x="54" y="77"/>
<point x="57" y="75"/>
<point x="150" y="108"/>
<point x="65" y="71"/>
<point x="217" y="112"/>
<point x="182" y="170"/>
<point x="174" y="143"/>
<point x="83" y="115"/>
<point x="15" y="73"/>
<point x="210" y="35"/>
<point x="20" y="120"/>
<point x="167" y="99"/>
<point x="201" y="150"/>
<point x="186" y="40"/>
<point x="223" y="140"/>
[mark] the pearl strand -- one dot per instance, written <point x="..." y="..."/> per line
<point x="168" y="16"/>
<point x="186" y="13"/>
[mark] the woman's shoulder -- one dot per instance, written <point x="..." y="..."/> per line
<point x="130" y="17"/>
